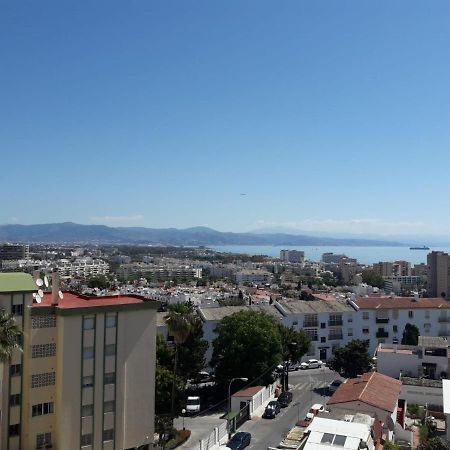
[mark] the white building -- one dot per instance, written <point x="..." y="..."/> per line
<point x="383" y="319"/>
<point x="255" y="276"/>
<point x="82" y="267"/>
<point x="446" y="396"/>
<point x="292" y="256"/>
<point x="429" y="358"/>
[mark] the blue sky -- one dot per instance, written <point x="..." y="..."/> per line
<point x="331" y="116"/>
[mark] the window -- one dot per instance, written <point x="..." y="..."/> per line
<point x="327" y="438"/>
<point x="109" y="378"/>
<point x="395" y="313"/>
<point x="88" y="381"/>
<point x="43" y="379"/>
<point x="350" y="319"/>
<point x="17" y="310"/>
<point x="110" y="321"/>
<point x="365" y="331"/>
<point x="43" y="321"/>
<point x="87" y="410"/>
<point x="395" y="328"/>
<point x="365" y="315"/>
<point x="350" y="332"/>
<point x="88" y="352"/>
<point x="14" y="430"/>
<point x="427" y="314"/>
<point x="333" y="439"/>
<point x="110" y="349"/>
<point x="108" y="435"/>
<point x="86" y="439"/>
<point x="43" y="350"/>
<point x="109" y="407"/>
<point x="88" y="323"/>
<point x="42" y="409"/>
<point x="43" y="440"/>
<point x="410" y="314"/>
<point x="15" y="369"/>
<point x="323" y="339"/>
<point x="14" y="400"/>
<point x="323" y="325"/>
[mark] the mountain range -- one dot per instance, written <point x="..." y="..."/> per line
<point x="69" y="232"/>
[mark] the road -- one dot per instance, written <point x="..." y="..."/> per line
<point x="307" y="387"/>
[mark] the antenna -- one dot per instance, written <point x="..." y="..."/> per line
<point x="40" y="293"/>
<point x="46" y="281"/>
<point x="39" y="282"/>
<point x="38" y="298"/>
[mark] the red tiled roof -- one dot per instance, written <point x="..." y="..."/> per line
<point x="72" y="300"/>
<point x="248" y="392"/>
<point x="373" y="388"/>
<point x="401" y="303"/>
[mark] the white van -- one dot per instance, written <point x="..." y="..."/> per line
<point x="193" y="405"/>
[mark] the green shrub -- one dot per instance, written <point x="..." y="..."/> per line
<point x="181" y="436"/>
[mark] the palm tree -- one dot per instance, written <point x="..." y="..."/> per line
<point x="10" y="336"/>
<point x="180" y="322"/>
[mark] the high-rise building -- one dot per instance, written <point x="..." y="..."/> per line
<point x="86" y="376"/>
<point x="438" y="274"/>
<point x="292" y="256"/>
<point x="384" y="268"/>
<point x="332" y="258"/>
<point x="10" y="252"/>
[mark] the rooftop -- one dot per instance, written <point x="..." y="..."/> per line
<point x="17" y="282"/>
<point x="433" y="342"/>
<point x="401" y="303"/>
<point x="372" y="388"/>
<point x="217" y="314"/>
<point x="314" y="306"/>
<point x="248" y="392"/>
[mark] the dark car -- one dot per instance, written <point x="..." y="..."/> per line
<point x="285" y="398"/>
<point x="239" y="441"/>
<point x="272" y="409"/>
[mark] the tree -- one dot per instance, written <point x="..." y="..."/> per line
<point x="294" y="344"/>
<point x="389" y="445"/>
<point x="410" y="335"/>
<point x="10" y="336"/>
<point x="435" y="443"/>
<point x="180" y="321"/>
<point x="371" y="278"/>
<point x="248" y="344"/>
<point x="99" y="281"/>
<point x="351" y="360"/>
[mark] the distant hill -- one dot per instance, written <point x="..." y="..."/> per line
<point x="69" y="232"/>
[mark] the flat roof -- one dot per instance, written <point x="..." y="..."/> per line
<point x="446" y="395"/>
<point x="248" y="392"/>
<point x="433" y="342"/>
<point x="401" y="303"/>
<point x="315" y="306"/>
<point x="220" y="312"/>
<point x="17" y="282"/>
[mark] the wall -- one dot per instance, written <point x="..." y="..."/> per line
<point x="421" y="395"/>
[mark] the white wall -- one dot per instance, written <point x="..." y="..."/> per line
<point x="421" y="395"/>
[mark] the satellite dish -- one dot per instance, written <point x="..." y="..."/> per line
<point x="39" y="282"/>
<point x="40" y="293"/>
<point x="46" y="281"/>
<point x="61" y="295"/>
<point x="390" y="423"/>
<point x="34" y="294"/>
<point x="38" y="298"/>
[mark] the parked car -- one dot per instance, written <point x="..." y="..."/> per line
<point x="272" y="409"/>
<point x="314" y="410"/>
<point x="311" y="364"/>
<point x="239" y="441"/>
<point x="193" y="405"/>
<point x="285" y="398"/>
<point x="332" y="387"/>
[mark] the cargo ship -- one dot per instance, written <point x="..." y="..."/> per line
<point x="423" y="247"/>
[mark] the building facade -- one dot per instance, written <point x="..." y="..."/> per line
<point x="292" y="256"/>
<point x="85" y="378"/>
<point x="438" y="274"/>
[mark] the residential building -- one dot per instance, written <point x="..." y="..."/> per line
<point x="86" y="376"/>
<point x="427" y="359"/>
<point x="11" y="252"/>
<point x="158" y="272"/>
<point x="330" y="258"/>
<point x="438" y="274"/>
<point x="395" y="283"/>
<point x="292" y="256"/>
<point x="446" y="401"/>
<point x="401" y="269"/>
<point x="349" y="269"/>
<point x="384" y="269"/>
<point x="82" y="267"/>
<point x="420" y="270"/>
<point x="254" y="276"/>
<point x="383" y="319"/>
<point x="372" y="392"/>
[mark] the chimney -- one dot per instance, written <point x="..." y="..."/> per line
<point x="55" y="287"/>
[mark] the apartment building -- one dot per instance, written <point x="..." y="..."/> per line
<point x="383" y="319"/>
<point x="292" y="256"/>
<point x="11" y="252"/>
<point x="159" y="272"/>
<point x="384" y="268"/>
<point x="332" y="258"/>
<point x="438" y="274"/>
<point x="256" y="276"/>
<point x="85" y="378"/>
<point x="82" y="267"/>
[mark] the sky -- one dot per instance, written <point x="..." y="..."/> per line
<point x="330" y="116"/>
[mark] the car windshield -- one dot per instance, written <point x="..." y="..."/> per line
<point x="336" y="383"/>
<point x="192" y="402"/>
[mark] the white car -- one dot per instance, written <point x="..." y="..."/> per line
<point x="311" y="364"/>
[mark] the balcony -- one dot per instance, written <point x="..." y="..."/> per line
<point x="444" y="320"/>
<point x="335" y="323"/>
<point x="382" y="334"/>
<point x="444" y="333"/>
<point x="310" y="324"/>
<point x="313" y="338"/>
<point x="335" y="337"/>
<point x="382" y="320"/>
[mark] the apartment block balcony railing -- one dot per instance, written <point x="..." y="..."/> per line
<point x="313" y="338"/>
<point x="382" y="320"/>
<point x="382" y="334"/>
<point x="444" y="319"/>
<point x="335" y="337"/>
<point x="310" y="324"/>
<point x="335" y="323"/>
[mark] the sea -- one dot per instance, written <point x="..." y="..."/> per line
<point x="365" y="255"/>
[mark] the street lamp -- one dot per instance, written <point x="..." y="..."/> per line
<point x="229" y="401"/>
<point x="183" y="411"/>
